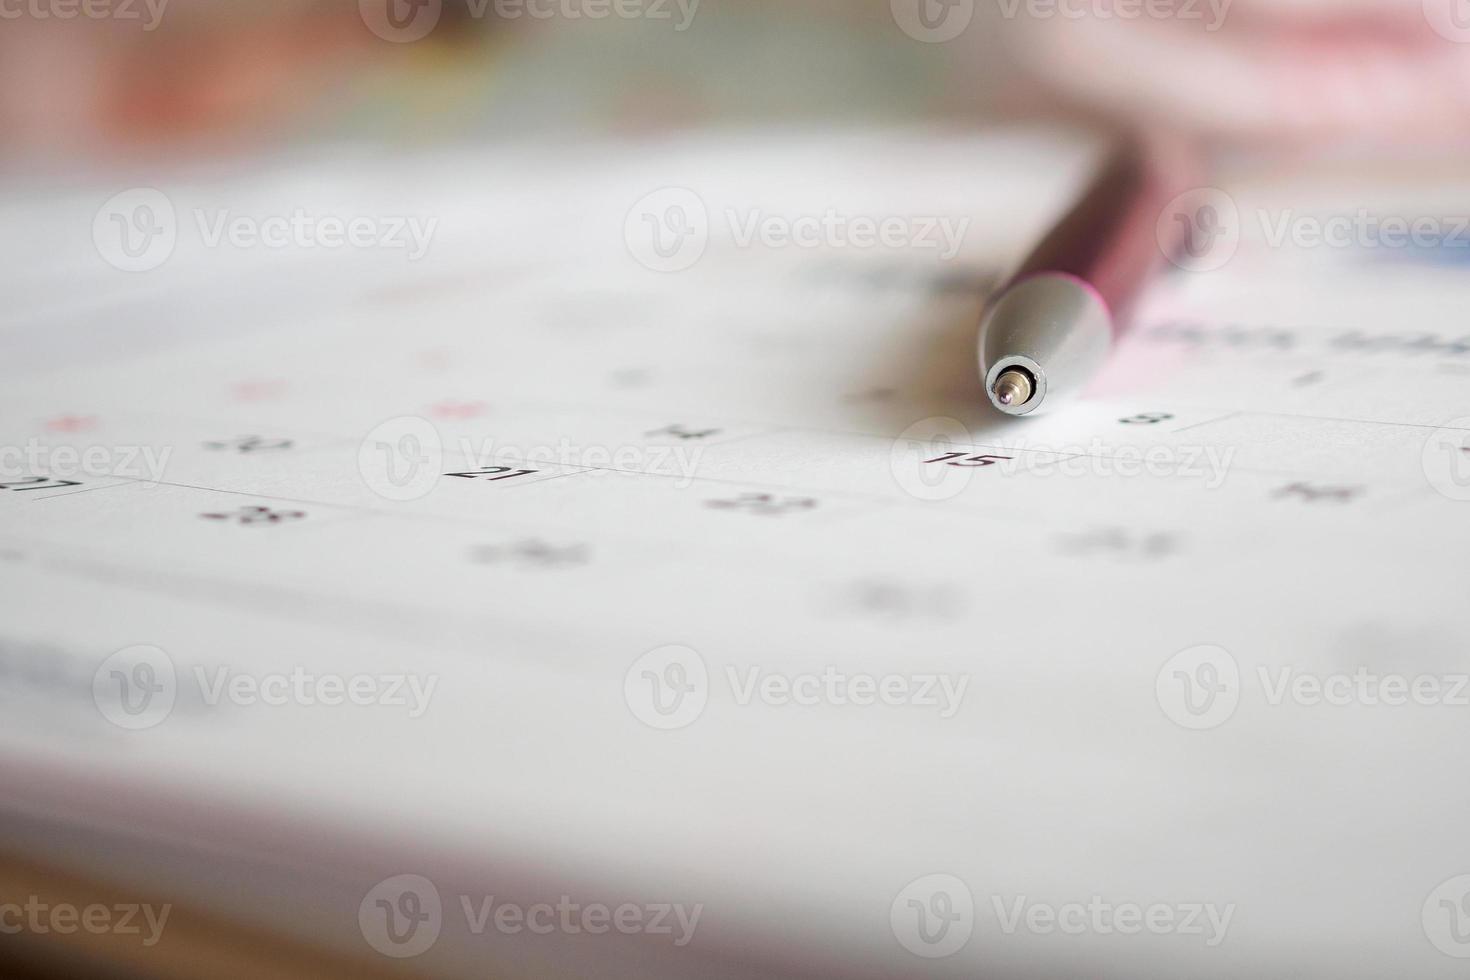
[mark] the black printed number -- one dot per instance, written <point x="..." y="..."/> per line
<point x="764" y="504"/>
<point x="964" y="459"/>
<point x="492" y="473"/>
<point x="38" y="483"/>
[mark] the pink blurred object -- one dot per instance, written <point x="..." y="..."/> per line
<point x="1363" y="70"/>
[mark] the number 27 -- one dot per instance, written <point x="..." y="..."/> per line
<point x="38" y="483"/>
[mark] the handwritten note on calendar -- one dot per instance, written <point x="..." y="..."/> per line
<point x="635" y="521"/>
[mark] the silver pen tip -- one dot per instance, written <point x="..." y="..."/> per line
<point x="1013" y="387"/>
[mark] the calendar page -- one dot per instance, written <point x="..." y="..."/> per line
<point x="603" y="561"/>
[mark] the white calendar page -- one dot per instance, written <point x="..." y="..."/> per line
<point x="625" y="549"/>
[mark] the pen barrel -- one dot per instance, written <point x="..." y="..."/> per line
<point x="1112" y="238"/>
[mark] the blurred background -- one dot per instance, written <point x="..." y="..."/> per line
<point x="92" y="81"/>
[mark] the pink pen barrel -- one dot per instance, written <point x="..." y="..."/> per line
<point x="1113" y="239"/>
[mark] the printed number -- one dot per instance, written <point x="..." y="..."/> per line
<point x="1122" y="543"/>
<point x="1148" y="418"/>
<point x="256" y="516"/>
<point x="764" y="504"/>
<point x="1313" y="494"/>
<point x="250" y="444"/>
<point x="533" y="553"/>
<point x="38" y="483"/>
<point x="492" y="473"/>
<point x="963" y="459"/>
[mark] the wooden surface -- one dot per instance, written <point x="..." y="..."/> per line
<point x="192" y="944"/>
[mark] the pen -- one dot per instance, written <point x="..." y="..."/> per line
<point x="1051" y="327"/>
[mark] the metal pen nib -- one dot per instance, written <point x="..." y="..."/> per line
<point x="1013" y="387"/>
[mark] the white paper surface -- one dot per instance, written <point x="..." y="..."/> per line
<point x="737" y="477"/>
